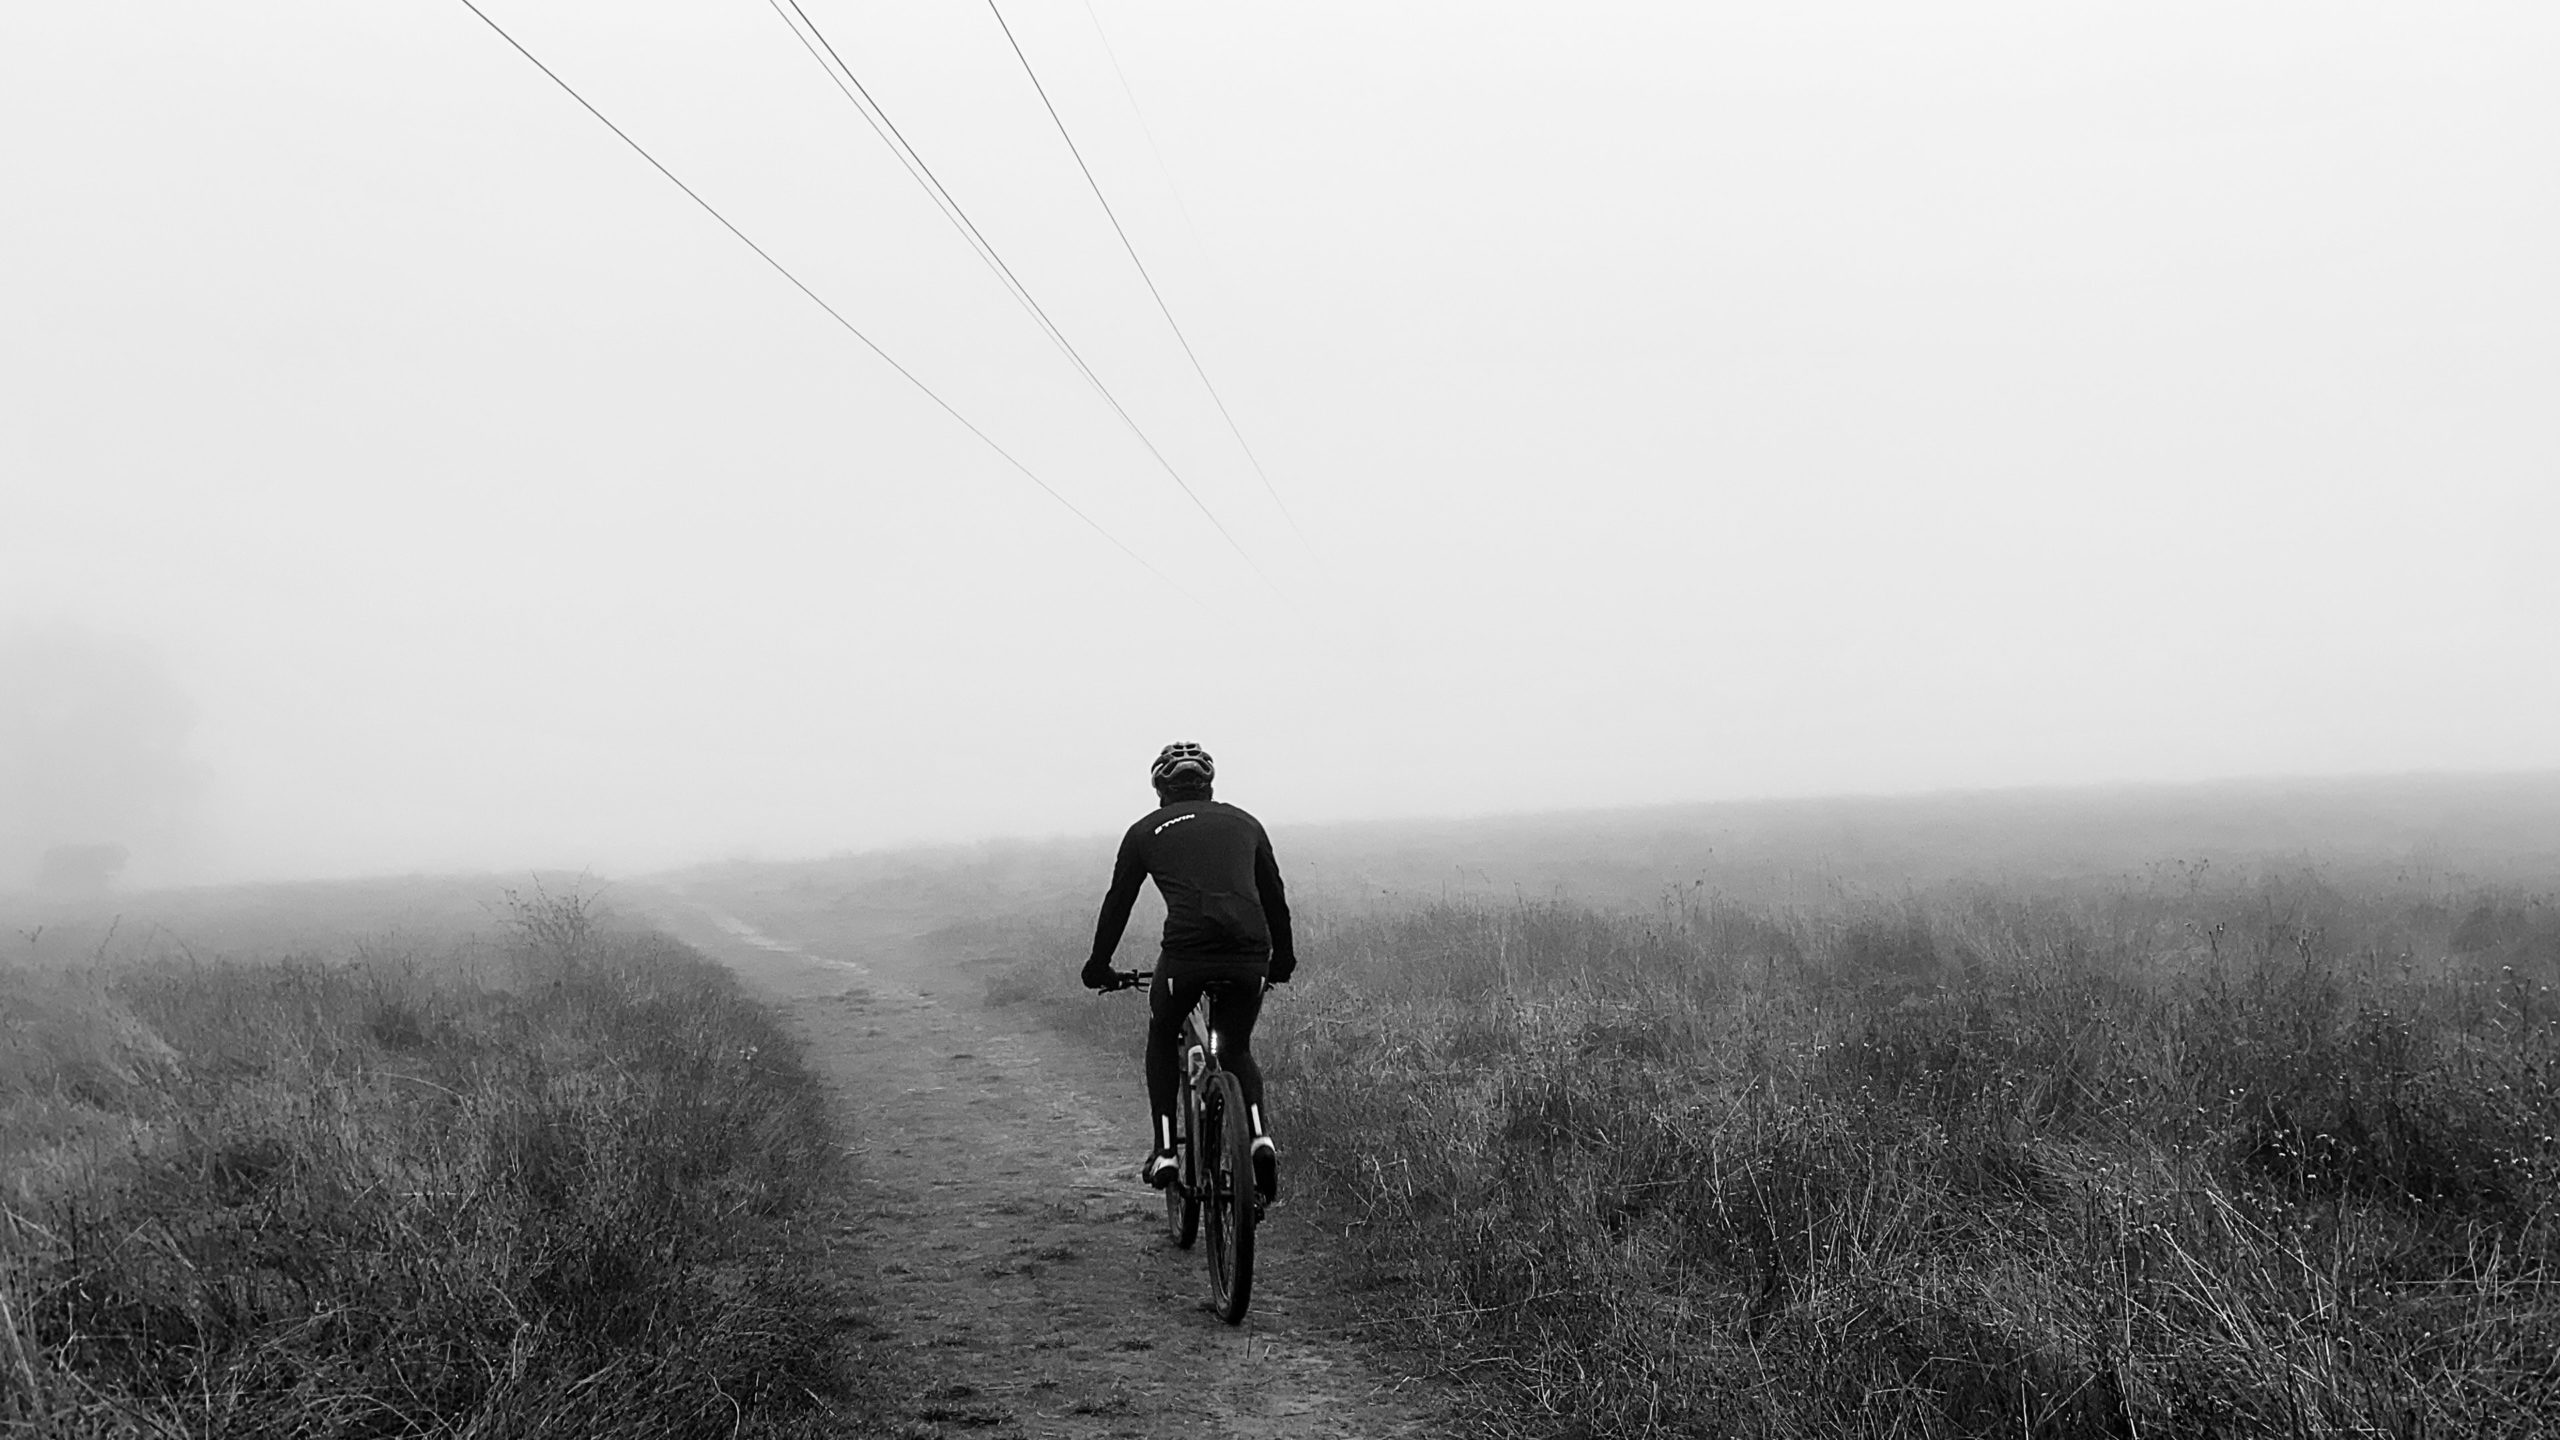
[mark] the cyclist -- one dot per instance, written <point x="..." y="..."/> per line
<point x="1226" y="934"/>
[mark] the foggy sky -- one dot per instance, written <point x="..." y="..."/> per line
<point x="1681" y="402"/>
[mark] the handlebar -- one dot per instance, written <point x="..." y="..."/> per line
<point x="1139" y="979"/>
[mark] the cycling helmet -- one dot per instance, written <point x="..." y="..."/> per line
<point x="1182" y="763"/>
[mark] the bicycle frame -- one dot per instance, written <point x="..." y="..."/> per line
<point x="1199" y="1041"/>
<point x="1213" y="1164"/>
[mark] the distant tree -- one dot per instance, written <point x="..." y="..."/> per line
<point x="94" y="764"/>
<point x="80" y="869"/>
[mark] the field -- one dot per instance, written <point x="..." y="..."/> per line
<point x="2227" y="1111"/>
<point x="400" y="1159"/>
<point x="2175" y="1113"/>
<point x="2265" y="1159"/>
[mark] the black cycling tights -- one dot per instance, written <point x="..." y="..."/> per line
<point x="1235" y="1002"/>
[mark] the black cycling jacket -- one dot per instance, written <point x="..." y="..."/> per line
<point x="1222" y="894"/>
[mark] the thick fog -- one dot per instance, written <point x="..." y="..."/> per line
<point x="1672" y="402"/>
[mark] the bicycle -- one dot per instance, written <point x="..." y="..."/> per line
<point x="1215" y="1174"/>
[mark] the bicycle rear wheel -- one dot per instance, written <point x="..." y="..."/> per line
<point x="1226" y="1165"/>
<point x="1181" y="1201"/>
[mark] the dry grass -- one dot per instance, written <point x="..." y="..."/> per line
<point x="2145" y="1160"/>
<point x="559" y="1186"/>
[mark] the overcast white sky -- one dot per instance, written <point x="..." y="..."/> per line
<point x="1681" y="401"/>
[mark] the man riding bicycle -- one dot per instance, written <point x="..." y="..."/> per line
<point x="1226" y="934"/>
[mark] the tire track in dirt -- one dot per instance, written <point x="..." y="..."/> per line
<point x="1010" y="1246"/>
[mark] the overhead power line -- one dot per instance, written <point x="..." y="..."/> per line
<point x="876" y="116"/>
<point x="1117" y="229"/>
<point x="832" y="313"/>
<point x="1143" y="127"/>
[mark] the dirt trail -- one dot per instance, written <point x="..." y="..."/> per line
<point x="1012" y="1248"/>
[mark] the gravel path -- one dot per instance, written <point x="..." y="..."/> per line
<point x="1010" y="1247"/>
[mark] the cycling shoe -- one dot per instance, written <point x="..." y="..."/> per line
<point x="1266" y="1169"/>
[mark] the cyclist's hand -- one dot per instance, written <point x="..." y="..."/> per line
<point x="1099" y="977"/>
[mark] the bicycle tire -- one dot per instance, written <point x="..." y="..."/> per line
<point x="1226" y="1158"/>
<point x="1181" y="1199"/>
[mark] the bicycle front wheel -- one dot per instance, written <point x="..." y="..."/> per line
<point x="1226" y="1164"/>
<point x="1182" y="1198"/>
